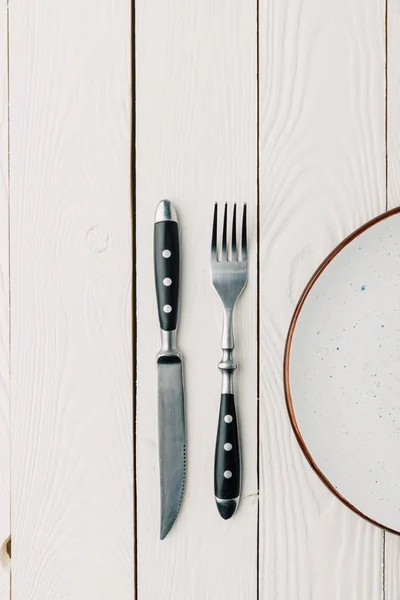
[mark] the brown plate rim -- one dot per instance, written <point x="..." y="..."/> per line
<point x="286" y="362"/>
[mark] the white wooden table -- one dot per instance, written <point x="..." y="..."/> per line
<point x="292" y="106"/>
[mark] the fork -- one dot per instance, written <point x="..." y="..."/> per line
<point x="228" y="277"/>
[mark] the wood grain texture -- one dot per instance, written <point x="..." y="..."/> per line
<point x="71" y="329"/>
<point x="392" y="542"/>
<point x="322" y="174"/>
<point x="393" y="103"/>
<point x="392" y="567"/>
<point x="4" y="316"/>
<point x="196" y="144"/>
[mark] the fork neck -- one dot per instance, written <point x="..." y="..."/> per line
<point x="227" y="331"/>
<point x="227" y="365"/>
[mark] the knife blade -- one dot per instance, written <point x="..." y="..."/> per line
<point x="171" y="412"/>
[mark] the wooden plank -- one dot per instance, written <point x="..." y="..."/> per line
<point x="392" y="542"/>
<point x="393" y="103"/>
<point x="72" y="484"/>
<point x="4" y="316"/>
<point x="392" y="567"/>
<point x="322" y="174"/>
<point x="196" y="144"/>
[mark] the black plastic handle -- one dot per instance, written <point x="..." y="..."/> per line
<point x="227" y="459"/>
<point x="166" y="268"/>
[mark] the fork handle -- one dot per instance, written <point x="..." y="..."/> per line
<point x="227" y="459"/>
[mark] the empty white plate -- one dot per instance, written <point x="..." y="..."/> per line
<point x="342" y="371"/>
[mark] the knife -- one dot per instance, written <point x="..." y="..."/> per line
<point x="171" y="412"/>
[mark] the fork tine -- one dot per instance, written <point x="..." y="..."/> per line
<point x="223" y="254"/>
<point x="244" y="233"/>
<point x="234" y="249"/>
<point x="214" y="234"/>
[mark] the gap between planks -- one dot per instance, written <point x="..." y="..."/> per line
<point x="258" y="296"/>
<point x="134" y="294"/>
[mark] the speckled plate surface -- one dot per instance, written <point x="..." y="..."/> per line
<point x="342" y="371"/>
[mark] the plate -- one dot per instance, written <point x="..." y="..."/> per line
<point x="342" y="371"/>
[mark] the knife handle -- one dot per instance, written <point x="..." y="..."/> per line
<point x="166" y="265"/>
<point x="227" y="459"/>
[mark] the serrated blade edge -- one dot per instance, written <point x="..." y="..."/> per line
<point x="172" y="445"/>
